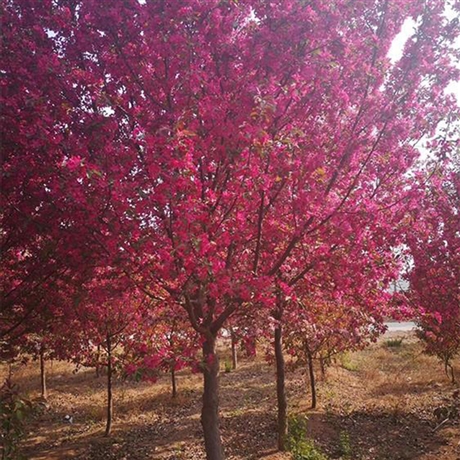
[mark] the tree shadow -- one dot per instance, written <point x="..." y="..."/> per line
<point x="137" y="415"/>
<point x="136" y="439"/>
<point x="401" y="388"/>
<point x="249" y="434"/>
<point x="374" y="435"/>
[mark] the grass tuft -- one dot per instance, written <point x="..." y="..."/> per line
<point x="393" y="343"/>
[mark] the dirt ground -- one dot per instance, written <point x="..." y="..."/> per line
<point x="383" y="403"/>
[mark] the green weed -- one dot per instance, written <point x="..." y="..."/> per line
<point x="298" y="444"/>
<point x="347" y="363"/>
<point x="14" y="411"/>
<point x="345" y="445"/>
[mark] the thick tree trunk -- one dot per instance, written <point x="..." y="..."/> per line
<point x="280" y="389"/>
<point x="311" y="373"/>
<point x="108" y="426"/>
<point x="43" y="375"/>
<point x="210" y="410"/>
<point x="234" y="350"/>
<point x="173" y="382"/>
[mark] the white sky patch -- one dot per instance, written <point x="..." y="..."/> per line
<point x="397" y="47"/>
<point x="407" y="30"/>
<point x="396" y="51"/>
<point x="50" y="33"/>
<point x="454" y="88"/>
<point x="107" y="111"/>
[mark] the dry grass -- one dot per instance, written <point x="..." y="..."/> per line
<point x="383" y="398"/>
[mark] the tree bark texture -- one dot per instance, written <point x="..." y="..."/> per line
<point x="280" y="388"/>
<point x="311" y="372"/>
<point x="173" y="382"/>
<point x="210" y="410"/>
<point x="108" y="426"/>
<point x="449" y="369"/>
<point x="234" y="351"/>
<point x="44" y="390"/>
<point x="323" y="367"/>
<point x="98" y="357"/>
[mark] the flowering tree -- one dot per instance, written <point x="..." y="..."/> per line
<point x="106" y="317"/>
<point x="45" y="331"/>
<point x="322" y="329"/>
<point x="216" y="151"/>
<point x="164" y="343"/>
<point x="435" y="278"/>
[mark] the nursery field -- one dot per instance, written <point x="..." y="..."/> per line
<point x="388" y="402"/>
<point x="179" y="178"/>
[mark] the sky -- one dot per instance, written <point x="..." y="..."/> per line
<point x="397" y="47"/>
<point x="396" y="51"/>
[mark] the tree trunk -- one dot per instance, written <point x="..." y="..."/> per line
<point x="449" y="367"/>
<point x="108" y="426"/>
<point x="173" y="381"/>
<point x="311" y="373"/>
<point x="323" y="367"/>
<point x="43" y="375"/>
<point x="210" y="410"/>
<point x="234" y="351"/>
<point x="98" y="357"/>
<point x="280" y="389"/>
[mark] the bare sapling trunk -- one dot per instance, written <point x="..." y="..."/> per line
<point x="311" y="373"/>
<point x="98" y="357"/>
<point x="108" y="426"/>
<point x="280" y="388"/>
<point x="449" y="370"/>
<point x="210" y="410"/>
<point x="323" y="367"/>
<point x="44" y="390"/>
<point x="173" y="381"/>
<point x="234" y="350"/>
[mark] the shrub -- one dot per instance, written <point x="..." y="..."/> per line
<point x="298" y="444"/>
<point x="393" y="343"/>
<point x="227" y="367"/>
<point x="14" y="411"/>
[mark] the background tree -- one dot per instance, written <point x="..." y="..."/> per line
<point x="163" y="344"/>
<point x="435" y="276"/>
<point x="107" y="316"/>
<point x="322" y="329"/>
